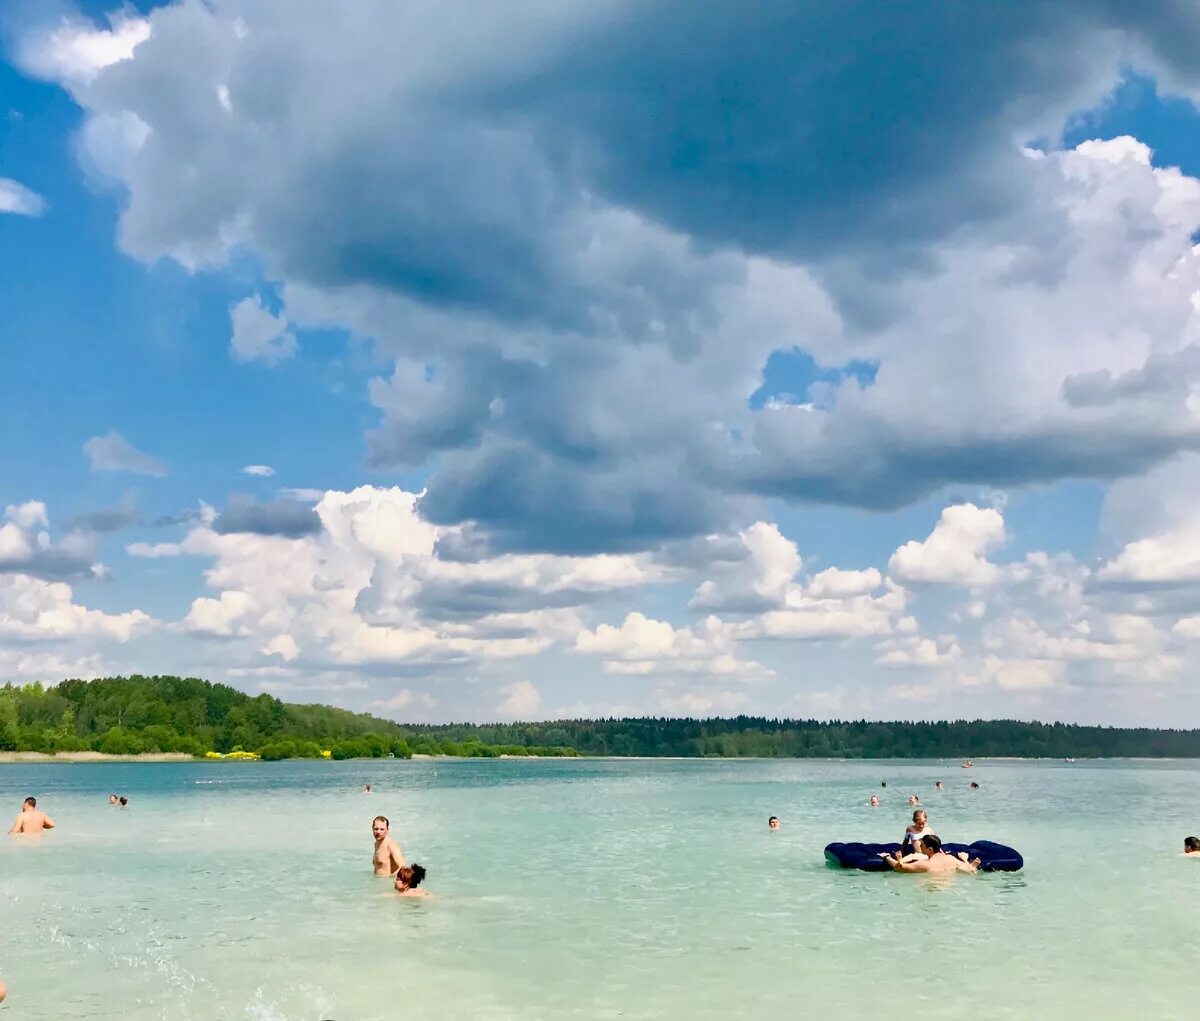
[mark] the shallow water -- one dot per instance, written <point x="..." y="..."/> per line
<point x="595" y="889"/>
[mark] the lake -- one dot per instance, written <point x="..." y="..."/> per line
<point x="596" y="889"/>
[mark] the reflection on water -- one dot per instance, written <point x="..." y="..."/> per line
<point x="593" y="889"/>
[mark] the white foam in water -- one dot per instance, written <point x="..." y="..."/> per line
<point x="593" y="889"/>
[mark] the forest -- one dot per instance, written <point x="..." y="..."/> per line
<point x="129" y="715"/>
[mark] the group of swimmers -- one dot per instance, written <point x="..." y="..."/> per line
<point x="388" y="860"/>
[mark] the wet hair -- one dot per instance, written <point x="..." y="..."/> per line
<point x="772" y="819"/>
<point x="1192" y="843"/>
<point x="920" y="811"/>
<point x="882" y="783"/>
<point x="415" y="875"/>
<point x="124" y="801"/>
<point x="974" y="786"/>
<point x="931" y="843"/>
<point x="383" y="819"/>
<point x="31" y="801"/>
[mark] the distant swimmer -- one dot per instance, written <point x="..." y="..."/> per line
<point x="936" y="861"/>
<point x="112" y="799"/>
<point x="968" y="764"/>
<point x="874" y="800"/>
<point x="387" y="857"/>
<point x="938" y="786"/>
<point x="366" y="788"/>
<point x="772" y="823"/>
<point x="882" y="783"/>
<point x="408" y="878"/>
<point x="124" y="801"/>
<point x="32" y="819"/>
<point x="913" y="799"/>
<point x="1191" y="846"/>
<point x="974" y="786"/>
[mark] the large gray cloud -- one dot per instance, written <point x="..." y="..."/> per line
<point x="581" y="232"/>
<point x="287" y="518"/>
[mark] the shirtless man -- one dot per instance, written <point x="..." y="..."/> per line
<point x="408" y="879"/>
<point x="387" y="852"/>
<point x="936" y="862"/>
<point x="31" y="819"/>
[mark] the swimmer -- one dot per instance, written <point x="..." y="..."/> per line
<point x="123" y="800"/>
<point x="366" y="788"/>
<point x="882" y="783"/>
<point x="874" y="800"/>
<point x="974" y="786"/>
<point x="32" y="819"/>
<point x="1191" y="847"/>
<point x="935" y="860"/>
<point x="938" y="786"/>
<point x="968" y="764"/>
<point x="387" y="858"/>
<point x="408" y="878"/>
<point x="772" y="823"/>
<point x="913" y="799"/>
<point x="112" y="799"/>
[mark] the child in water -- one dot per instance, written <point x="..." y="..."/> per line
<point x="408" y="878"/>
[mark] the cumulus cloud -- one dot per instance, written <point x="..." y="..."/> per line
<point x="521" y="700"/>
<point x="578" y="364"/>
<point x="26" y="546"/>
<point x="954" y="553"/>
<point x="258" y="335"/>
<point x="642" y="645"/>
<point x="35" y="610"/>
<point x="113" y="453"/>
<point x="16" y="198"/>
<point x="106" y="520"/>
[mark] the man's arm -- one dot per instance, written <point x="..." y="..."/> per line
<point x="16" y="826"/>
<point x="903" y="865"/>
<point x="47" y="823"/>
<point x="396" y="854"/>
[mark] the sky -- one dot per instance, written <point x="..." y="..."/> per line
<point x="548" y="360"/>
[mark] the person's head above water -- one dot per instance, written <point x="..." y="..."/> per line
<point x="123" y="800"/>
<point x="379" y="827"/>
<point x="773" y="823"/>
<point x="974" y="786"/>
<point x="913" y="799"/>
<point x="1191" y="845"/>
<point x="874" y="800"/>
<point x="112" y="799"/>
<point x="920" y="818"/>
<point x="930" y="844"/>
<point x="937" y="786"/>
<point x="882" y="783"/>
<point x="409" y="877"/>
<point x="366" y="788"/>
<point x="29" y="802"/>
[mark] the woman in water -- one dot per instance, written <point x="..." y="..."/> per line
<point x="1191" y="846"/>
<point x="408" y="878"/>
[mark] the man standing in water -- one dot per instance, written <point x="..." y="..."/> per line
<point x="388" y="859"/>
<point x="936" y="861"/>
<point x="31" y="819"/>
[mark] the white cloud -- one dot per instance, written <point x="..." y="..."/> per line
<point x="954" y="553"/>
<point x="16" y="198"/>
<point x="404" y="699"/>
<point x="521" y="701"/>
<point x="75" y="51"/>
<point x="701" y="704"/>
<point x="1187" y="627"/>
<point x="113" y="453"/>
<point x="258" y="335"/>
<point x="835" y="583"/>
<point x="915" y="651"/>
<point x="283" y="646"/>
<point x="261" y="470"/>
<point x="36" y="610"/>
<point x="760" y="579"/>
<point x="642" y="645"/>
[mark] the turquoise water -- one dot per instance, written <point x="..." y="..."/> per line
<point x="595" y="889"/>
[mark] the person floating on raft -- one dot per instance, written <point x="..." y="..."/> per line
<point x="934" y="861"/>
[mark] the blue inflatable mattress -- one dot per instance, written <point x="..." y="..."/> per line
<point x="993" y="857"/>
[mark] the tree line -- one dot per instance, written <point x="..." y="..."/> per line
<point x="128" y="715"/>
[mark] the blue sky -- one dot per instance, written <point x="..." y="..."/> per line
<point x="765" y="364"/>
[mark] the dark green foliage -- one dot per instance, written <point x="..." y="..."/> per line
<point x="124" y="715"/>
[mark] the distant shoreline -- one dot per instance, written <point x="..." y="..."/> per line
<point x="14" y="758"/>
